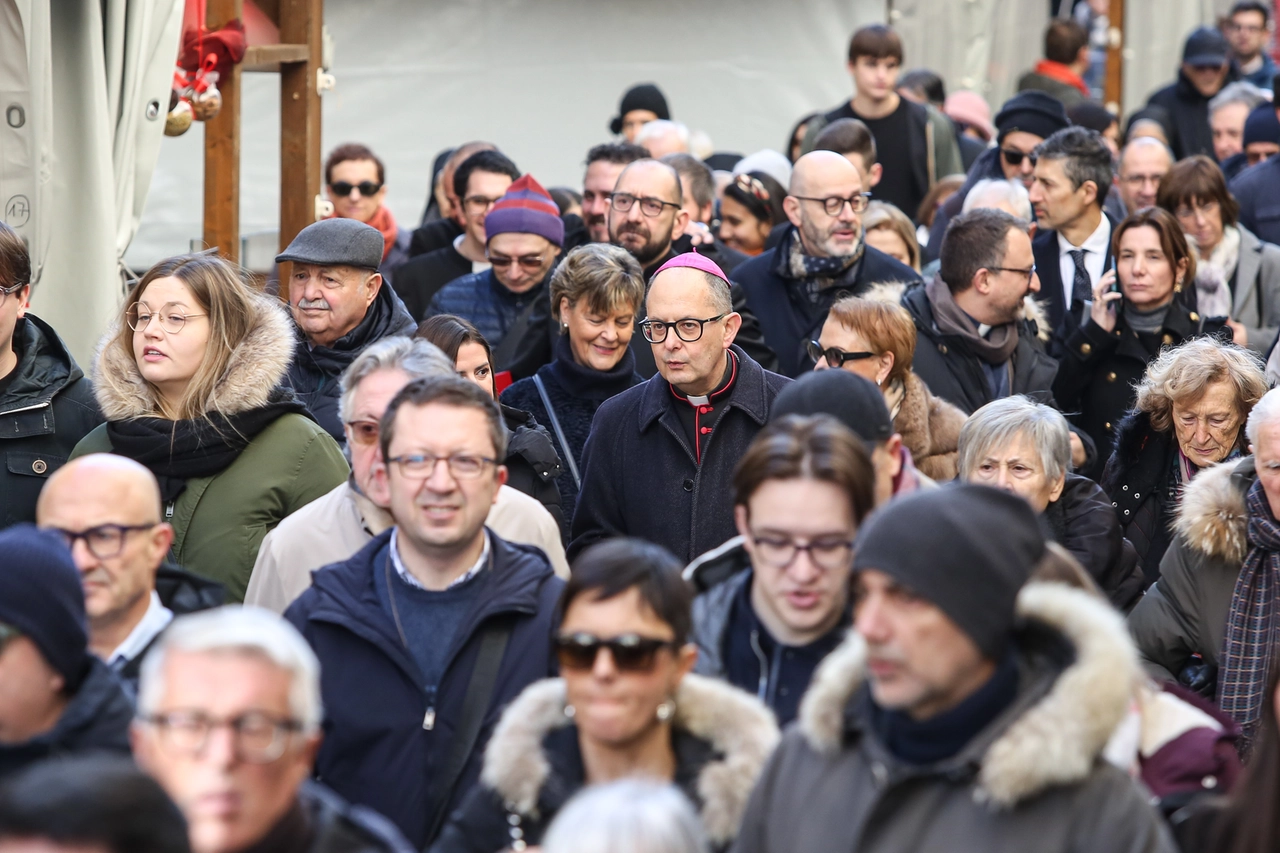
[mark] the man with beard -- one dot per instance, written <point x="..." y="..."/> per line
<point x="646" y="212"/>
<point x="790" y="288"/>
<point x="604" y="163"/>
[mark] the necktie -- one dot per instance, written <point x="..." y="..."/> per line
<point x="1081" y="286"/>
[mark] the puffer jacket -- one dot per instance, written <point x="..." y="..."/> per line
<point x="219" y="522"/>
<point x="1184" y="614"/>
<point x="1032" y="780"/>
<point x="45" y="409"/>
<point x="1083" y="521"/>
<point x="533" y="765"/>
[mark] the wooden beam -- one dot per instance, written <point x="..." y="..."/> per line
<point x="222" y="150"/>
<point x="301" y="23"/>
<point x="1113" y="85"/>
<point x="270" y="8"/>
<point x="269" y="57"/>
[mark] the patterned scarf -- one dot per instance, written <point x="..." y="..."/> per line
<point x="817" y="274"/>
<point x="1252" y="622"/>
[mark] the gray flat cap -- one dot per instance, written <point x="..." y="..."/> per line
<point x="336" y="242"/>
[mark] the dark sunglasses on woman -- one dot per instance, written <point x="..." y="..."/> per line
<point x="630" y="652"/>
<point x="835" y="357"/>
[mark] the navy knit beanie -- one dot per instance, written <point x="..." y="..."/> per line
<point x="966" y="548"/>
<point x="1032" y="112"/>
<point x="41" y="596"/>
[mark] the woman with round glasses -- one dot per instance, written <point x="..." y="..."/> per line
<point x="533" y="465"/>
<point x="749" y="209"/>
<point x="189" y="379"/>
<point x="1128" y="325"/>
<point x="876" y="339"/>
<point x="626" y="705"/>
<point x="596" y="295"/>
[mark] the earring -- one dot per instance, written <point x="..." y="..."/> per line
<point x="667" y="710"/>
<point x="569" y="711"/>
<point x="564" y="327"/>
<point x="1177" y="285"/>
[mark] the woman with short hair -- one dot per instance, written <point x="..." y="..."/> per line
<point x="1189" y="414"/>
<point x="877" y="340"/>
<point x="1236" y="274"/>
<point x="888" y="229"/>
<point x="189" y="377"/>
<point x="597" y="293"/>
<point x="626" y="705"/>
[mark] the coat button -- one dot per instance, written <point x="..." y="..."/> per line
<point x="1195" y="318"/>
<point x="1209" y="782"/>
<point x="1107" y="425"/>
<point x="705" y="430"/>
<point x="1124" y="488"/>
<point x="688" y="485"/>
<point x="39" y="466"/>
<point x="942" y="348"/>
<point x="1111" y="377"/>
<point x="1126" y="512"/>
<point x="1168" y="340"/>
<point x="1085" y="349"/>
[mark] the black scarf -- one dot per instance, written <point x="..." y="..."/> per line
<point x="176" y="451"/>
<point x="587" y="383"/>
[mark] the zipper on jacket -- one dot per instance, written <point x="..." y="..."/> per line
<point x="429" y="718"/>
<point x="168" y="510"/>
<point x="762" y="686"/>
<point x="43" y="405"/>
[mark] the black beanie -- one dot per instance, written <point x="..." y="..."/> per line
<point x="966" y="548"/>
<point x="851" y="399"/>
<point x="1031" y="112"/>
<point x="41" y="596"/>
<point x="645" y="96"/>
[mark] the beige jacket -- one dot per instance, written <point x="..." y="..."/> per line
<point x="332" y="528"/>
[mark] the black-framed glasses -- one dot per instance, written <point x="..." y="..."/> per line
<point x="834" y="204"/>
<point x="1014" y="157"/>
<point x="687" y="329"/>
<point x="342" y="189"/>
<point x="463" y="466"/>
<point x="479" y="203"/>
<point x="364" y="433"/>
<point x="1027" y="272"/>
<point x="630" y="652"/>
<point x="780" y="552"/>
<point x="834" y="355"/>
<point x="171" y="319"/>
<point x="259" y="738"/>
<point x="5" y="292"/>
<point x="104" y="541"/>
<point x="8" y="634"/>
<point x="532" y="263"/>
<point x="622" y="202"/>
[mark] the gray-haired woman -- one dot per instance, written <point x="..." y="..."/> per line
<point x="1025" y="448"/>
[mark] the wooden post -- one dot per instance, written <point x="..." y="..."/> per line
<point x="222" y="150"/>
<point x="301" y="23"/>
<point x="1113" y="86"/>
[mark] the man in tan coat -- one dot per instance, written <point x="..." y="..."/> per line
<point x="335" y="526"/>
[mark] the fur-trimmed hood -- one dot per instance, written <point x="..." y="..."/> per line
<point x="257" y="365"/>
<point x="1056" y="738"/>
<point x="1212" y="518"/>
<point x="740" y="730"/>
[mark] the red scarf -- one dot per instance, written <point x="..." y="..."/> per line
<point x="1063" y="74"/>
<point x="384" y="222"/>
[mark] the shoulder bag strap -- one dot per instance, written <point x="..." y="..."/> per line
<point x="493" y="644"/>
<point x="555" y="426"/>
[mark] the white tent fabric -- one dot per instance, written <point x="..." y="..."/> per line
<point x="95" y="89"/>
<point x="1154" y="33"/>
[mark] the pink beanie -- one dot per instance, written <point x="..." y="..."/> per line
<point x="972" y="109"/>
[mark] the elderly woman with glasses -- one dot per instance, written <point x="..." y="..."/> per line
<point x="1189" y="415"/>
<point x="190" y="378"/>
<point x="1025" y="448"/>
<point x="1237" y="276"/>
<point x="1139" y="308"/>
<point x="626" y="705"/>
<point x="750" y="208"/>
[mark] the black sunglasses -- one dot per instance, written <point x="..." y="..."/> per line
<point x="630" y="652"/>
<point x="1014" y="157"/>
<point x="835" y="357"/>
<point x="343" y="189"/>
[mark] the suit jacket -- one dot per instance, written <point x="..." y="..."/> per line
<point x="1048" y="266"/>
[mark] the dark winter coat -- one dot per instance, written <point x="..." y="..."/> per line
<point x="1183" y="617"/>
<point x="788" y="318"/>
<point x="533" y="764"/>
<point x="1257" y="189"/>
<point x="1189" y="114"/>
<point x="1031" y="780"/>
<point x="532" y="462"/>
<point x="315" y="371"/>
<point x="576" y="392"/>
<point x="377" y="751"/>
<point x="433" y="235"/>
<point x="1083" y="521"/>
<point x="421" y="278"/>
<point x="339" y="827"/>
<point x="46" y="407"/>
<point x="955" y="373"/>
<point x="1099" y="370"/>
<point x="95" y="719"/>
<point x="182" y="592"/>
<point x="493" y="309"/>
<point x="640" y="476"/>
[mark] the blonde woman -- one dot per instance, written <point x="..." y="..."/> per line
<point x="189" y="379"/>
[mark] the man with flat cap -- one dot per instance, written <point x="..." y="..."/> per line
<point x="339" y="307"/>
<point x="965" y="711"/>
<point x="660" y="458"/>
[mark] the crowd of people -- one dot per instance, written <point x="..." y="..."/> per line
<point x="934" y="506"/>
